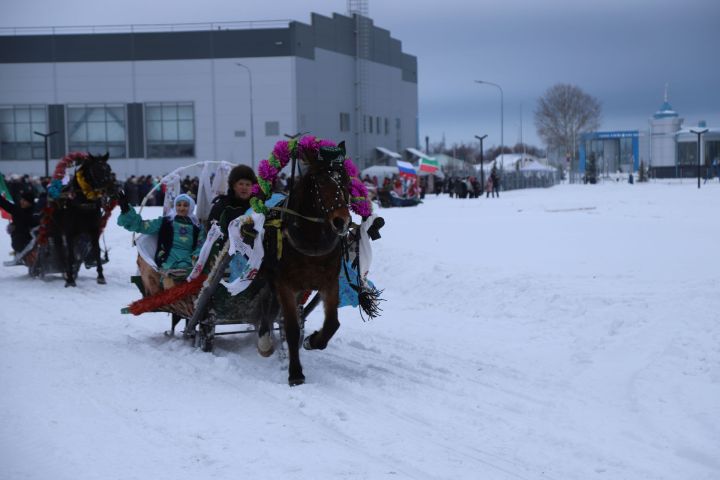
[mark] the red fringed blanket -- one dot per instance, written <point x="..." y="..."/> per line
<point x="166" y="297"/>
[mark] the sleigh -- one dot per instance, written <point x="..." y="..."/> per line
<point x="43" y="258"/>
<point x="80" y="200"/>
<point x="388" y="198"/>
<point x="207" y="306"/>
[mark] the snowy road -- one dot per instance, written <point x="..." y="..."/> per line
<point x="567" y="333"/>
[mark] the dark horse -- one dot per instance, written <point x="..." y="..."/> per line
<point x="79" y="210"/>
<point x="316" y="221"/>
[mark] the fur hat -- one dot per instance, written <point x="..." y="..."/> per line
<point x="240" y="172"/>
<point x="28" y="196"/>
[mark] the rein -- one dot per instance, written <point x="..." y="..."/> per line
<point x="293" y="212"/>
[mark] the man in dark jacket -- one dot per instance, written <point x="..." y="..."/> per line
<point x="24" y="219"/>
<point x="237" y="200"/>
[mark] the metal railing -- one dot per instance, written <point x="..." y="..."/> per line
<point x="143" y="28"/>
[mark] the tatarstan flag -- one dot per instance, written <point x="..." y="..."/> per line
<point x="5" y="192"/>
<point x="429" y="165"/>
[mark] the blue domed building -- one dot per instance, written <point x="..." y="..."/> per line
<point x="667" y="149"/>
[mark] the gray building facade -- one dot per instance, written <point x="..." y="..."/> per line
<point x="157" y="100"/>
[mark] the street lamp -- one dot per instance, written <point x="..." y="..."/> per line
<point x="46" y="136"/>
<point x="482" y="169"/>
<point x="699" y="134"/>
<point x="252" y="126"/>
<point x="502" y="122"/>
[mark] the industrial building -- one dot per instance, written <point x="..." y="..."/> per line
<point x="159" y="97"/>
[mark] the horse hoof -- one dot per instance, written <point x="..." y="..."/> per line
<point x="265" y="345"/>
<point x="307" y="345"/>
<point x="70" y="284"/>
<point x="294" y="382"/>
<point x="101" y="281"/>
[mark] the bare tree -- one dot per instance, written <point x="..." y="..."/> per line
<point x="563" y="113"/>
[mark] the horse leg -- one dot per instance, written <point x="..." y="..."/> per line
<point x="98" y="260"/>
<point x="69" y="263"/>
<point x="265" y="340"/>
<point x="292" y="334"/>
<point x="320" y="338"/>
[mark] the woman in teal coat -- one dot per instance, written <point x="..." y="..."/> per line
<point x="180" y="235"/>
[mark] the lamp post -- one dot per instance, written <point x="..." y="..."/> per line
<point x="699" y="135"/>
<point x="482" y="168"/>
<point x="46" y="136"/>
<point x="252" y="122"/>
<point x="502" y="115"/>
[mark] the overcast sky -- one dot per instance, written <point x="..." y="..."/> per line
<point x="623" y="52"/>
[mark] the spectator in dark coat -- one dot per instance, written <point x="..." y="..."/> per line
<point x="24" y="219"/>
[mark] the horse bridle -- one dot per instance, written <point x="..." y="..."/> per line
<point x="341" y="200"/>
<point x="342" y="197"/>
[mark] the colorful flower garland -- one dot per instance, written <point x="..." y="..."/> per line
<point x="269" y="169"/>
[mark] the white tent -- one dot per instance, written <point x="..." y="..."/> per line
<point x="389" y="153"/>
<point x="380" y="171"/>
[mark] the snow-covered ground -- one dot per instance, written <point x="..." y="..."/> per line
<point x="565" y="333"/>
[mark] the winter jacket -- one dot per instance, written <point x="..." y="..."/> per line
<point x="178" y="239"/>
<point x="227" y="208"/>
<point x="23" y="220"/>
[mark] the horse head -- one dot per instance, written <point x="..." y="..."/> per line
<point x="321" y="199"/>
<point x="95" y="177"/>
<point x="328" y="186"/>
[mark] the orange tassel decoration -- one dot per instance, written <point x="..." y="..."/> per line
<point x="167" y="297"/>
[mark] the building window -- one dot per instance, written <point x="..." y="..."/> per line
<point x="17" y="124"/>
<point x="272" y="129"/>
<point x="170" y="129"/>
<point x="712" y="154"/>
<point x="97" y="129"/>
<point x="387" y="126"/>
<point x="344" y="122"/>
<point x="687" y="153"/>
<point x="377" y="125"/>
<point x="370" y="123"/>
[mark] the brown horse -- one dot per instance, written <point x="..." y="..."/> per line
<point x="316" y="220"/>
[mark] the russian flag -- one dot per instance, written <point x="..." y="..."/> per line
<point x="406" y="168"/>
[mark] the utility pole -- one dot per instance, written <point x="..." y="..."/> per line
<point x="46" y="136"/>
<point x="482" y="168"/>
<point x="699" y="134"/>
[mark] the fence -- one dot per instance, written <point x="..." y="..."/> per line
<point x="519" y="179"/>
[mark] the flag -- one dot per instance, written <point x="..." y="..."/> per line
<point x="5" y="192"/>
<point x="429" y="165"/>
<point x="406" y="168"/>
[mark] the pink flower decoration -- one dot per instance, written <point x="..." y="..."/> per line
<point x="362" y="208"/>
<point x="326" y="143"/>
<point x="357" y="188"/>
<point x="282" y="152"/>
<point x="256" y="189"/>
<point x="350" y="168"/>
<point x="266" y="171"/>
<point x="307" y="144"/>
